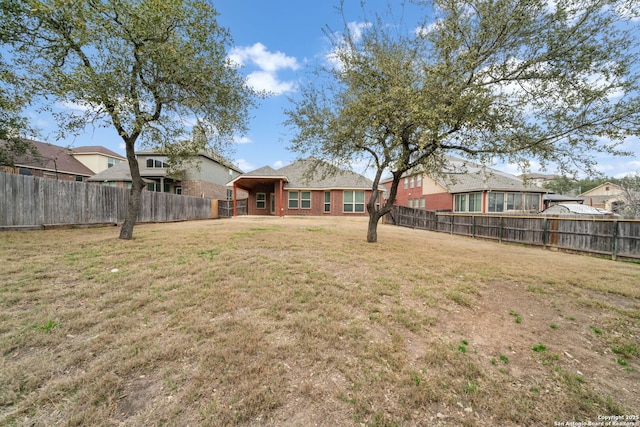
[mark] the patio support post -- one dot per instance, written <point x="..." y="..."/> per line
<point x="281" y="206"/>
<point x="235" y="212"/>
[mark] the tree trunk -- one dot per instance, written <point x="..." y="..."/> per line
<point x="135" y="195"/>
<point x="133" y="207"/>
<point x="372" y="230"/>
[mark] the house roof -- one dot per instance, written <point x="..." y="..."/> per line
<point x="311" y="174"/>
<point x="96" y="149"/>
<point x="52" y="158"/>
<point x="210" y="154"/>
<point x="116" y="173"/>
<point x="464" y="176"/>
<point x="614" y="189"/>
<point x="485" y="179"/>
<point x="552" y="197"/>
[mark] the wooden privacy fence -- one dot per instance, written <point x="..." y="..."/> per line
<point x="27" y="201"/>
<point x="614" y="237"/>
<point x="225" y="208"/>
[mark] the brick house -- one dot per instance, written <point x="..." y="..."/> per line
<point x="205" y="175"/>
<point x="306" y="187"/>
<point x="69" y="164"/>
<point x="468" y="187"/>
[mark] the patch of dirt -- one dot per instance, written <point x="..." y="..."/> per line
<point x="564" y="327"/>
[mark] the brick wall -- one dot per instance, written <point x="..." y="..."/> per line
<point x="43" y="174"/>
<point x="316" y="209"/>
<point x="439" y="202"/>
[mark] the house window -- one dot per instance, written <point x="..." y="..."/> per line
<point x="406" y="183"/>
<point x="475" y="202"/>
<point x="229" y="194"/>
<point x="78" y="178"/>
<point x="514" y="201"/>
<point x="532" y="202"/>
<point x="178" y="189"/>
<point x="410" y="203"/>
<point x="460" y="203"/>
<point x="157" y="163"/>
<point x="422" y="203"/>
<point x="293" y="200"/>
<point x="112" y="162"/>
<point x="25" y="171"/>
<point x="305" y="199"/>
<point x="327" y="201"/>
<point x="412" y="181"/>
<point x="496" y="202"/>
<point x="300" y="199"/>
<point x="418" y="181"/>
<point x="261" y="201"/>
<point x="353" y="201"/>
<point x="167" y="188"/>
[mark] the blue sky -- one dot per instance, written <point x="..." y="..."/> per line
<point x="276" y="41"/>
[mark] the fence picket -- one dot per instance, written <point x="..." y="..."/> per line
<point x="614" y="237"/>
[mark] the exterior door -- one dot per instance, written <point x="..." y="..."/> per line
<point x="273" y="204"/>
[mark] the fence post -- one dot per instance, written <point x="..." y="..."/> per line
<point x="501" y="226"/>
<point x="473" y="226"/>
<point x="614" y="240"/>
<point x="544" y="232"/>
<point x="451" y="225"/>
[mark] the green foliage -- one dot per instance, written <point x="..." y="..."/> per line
<point x="539" y="348"/>
<point x="595" y="330"/>
<point x="47" y="327"/>
<point x="516" y="317"/>
<point x="143" y="67"/>
<point x="480" y="80"/>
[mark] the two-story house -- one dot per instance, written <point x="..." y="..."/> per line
<point x="205" y="175"/>
<point x="467" y="187"/>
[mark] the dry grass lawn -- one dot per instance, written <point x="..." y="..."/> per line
<point x="299" y="321"/>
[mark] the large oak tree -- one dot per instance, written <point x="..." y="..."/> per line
<point x="518" y="80"/>
<point x="149" y="68"/>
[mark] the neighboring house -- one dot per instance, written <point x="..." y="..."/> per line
<point x="538" y="179"/>
<point x="97" y="158"/>
<point x="306" y="187"/>
<point x="608" y="196"/>
<point x="205" y="175"/>
<point x="51" y="161"/>
<point x="468" y="187"/>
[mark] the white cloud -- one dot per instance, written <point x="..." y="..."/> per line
<point x="75" y="106"/>
<point x="268" y="64"/>
<point x="245" y="165"/>
<point x="268" y="82"/>
<point x="278" y="164"/>
<point x="241" y="140"/>
<point x="341" y="45"/>
<point x="355" y="29"/>
<point x="261" y="57"/>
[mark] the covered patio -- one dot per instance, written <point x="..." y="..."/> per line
<point x="266" y="191"/>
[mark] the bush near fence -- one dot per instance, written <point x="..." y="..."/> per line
<point x="616" y="237"/>
<point x="33" y="202"/>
